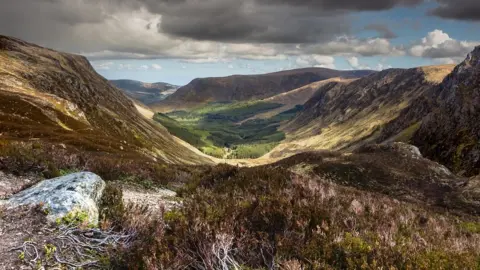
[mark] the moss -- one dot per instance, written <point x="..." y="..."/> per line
<point x="471" y="227"/>
<point x="73" y="218"/>
<point x="174" y="216"/>
<point x="407" y="134"/>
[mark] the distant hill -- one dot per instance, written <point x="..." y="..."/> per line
<point x="57" y="97"/>
<point x="247" y="87"/>
<point x="147" y="93"/>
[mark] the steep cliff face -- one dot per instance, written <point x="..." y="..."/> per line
<point x="247" y="87"/>
<point x="345" y="115"/>
<point x="451" y="133"/>
<point x="48" y="95"/>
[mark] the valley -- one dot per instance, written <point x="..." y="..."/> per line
<point x="223" y="130"/>
<point x="303" y="169"/>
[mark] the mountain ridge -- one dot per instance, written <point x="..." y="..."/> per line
<point x="246" y="87"/>
<point x="347" y="115"/>
<point x="450" y="133"/>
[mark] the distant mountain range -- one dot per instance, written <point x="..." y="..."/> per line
<point x="247" y="87"/>
<point x="147" y="93"/>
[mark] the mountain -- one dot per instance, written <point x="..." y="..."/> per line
<point x="58" y="97"/>
<point x="450" y="134"/>
<point x="247" y="87"/>
<point x="348" y="114"/>
<point x="147" y="93"/>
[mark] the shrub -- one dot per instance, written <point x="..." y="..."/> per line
<point x="266" y="217"/>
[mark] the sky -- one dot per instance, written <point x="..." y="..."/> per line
<point x="176" y="41"/>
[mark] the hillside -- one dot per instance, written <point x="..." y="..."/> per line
<point x="291" y="99"/>
<point x="58" y="98"/>
<point x="345" y="115"/>
<point x="246" y="87"/>
<point x="451" y="133"/>
<point x="147" y="93"/>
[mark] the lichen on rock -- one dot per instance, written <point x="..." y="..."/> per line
<point x="63" y="195"/>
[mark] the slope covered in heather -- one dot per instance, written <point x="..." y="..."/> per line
<point x="57" y="97"/>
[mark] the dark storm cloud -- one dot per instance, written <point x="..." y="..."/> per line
<point x="263" y="21"/>
<point x="346" y="5"/>
<point x="382" y="30"/>
<point x="458" y="9"/>
<point x="237" y="21"/>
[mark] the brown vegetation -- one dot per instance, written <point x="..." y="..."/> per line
<point x="266" y="217"/>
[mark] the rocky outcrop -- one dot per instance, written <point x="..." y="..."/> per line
<point x="347" y="115"/>
<point x="63" y="195"/>
<point x="451" y="133"/>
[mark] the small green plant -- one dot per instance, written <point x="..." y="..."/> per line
<point x="21" y="256"/>
<point x="173" y="216"/>
<point x="471" y="227"/>
<point x="49" y="250"/>
<point x="73" y="218"/>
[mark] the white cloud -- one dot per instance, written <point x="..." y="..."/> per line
<point x="439" y="45"/>
<point x="102" y="65"/>
<point x="346" y="45"/>
<point x="156" y="66"/>
<point x="202" y="60"/>
<point x="315" y="61"/>
<point x="124" y="66"/>
<point x="381" y="66"/>
<point x="353" y="61"/>
<point x="143" y="68"/>
<point x="230" y="66"/>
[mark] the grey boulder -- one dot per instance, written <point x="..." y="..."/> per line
<point x="63" y="195"/>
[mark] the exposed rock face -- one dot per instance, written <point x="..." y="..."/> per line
<point x="62" y="195"/>
<point x="248" y="87"/>
<point x="469" y="195"/>
<point x="451" y="133"/>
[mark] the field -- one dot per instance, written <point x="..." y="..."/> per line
<point x="223" y="130"/>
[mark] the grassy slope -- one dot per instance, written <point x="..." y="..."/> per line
<point x="217" y="129"/>
<point x="57" y="97"/>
